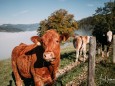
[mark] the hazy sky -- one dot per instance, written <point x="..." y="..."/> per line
<point x="33" y="11"/>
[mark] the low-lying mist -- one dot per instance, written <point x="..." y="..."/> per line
<point x="84" y="32"/>
<point x="9" y="40"/>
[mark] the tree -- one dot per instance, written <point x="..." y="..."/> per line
<point x="104" y="18"/>
<point x="61" y="21"/>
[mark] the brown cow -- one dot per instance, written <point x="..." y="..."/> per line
<point x="80" y="43"/>
<point x="39" y="61"/>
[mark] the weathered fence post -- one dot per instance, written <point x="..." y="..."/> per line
<point x="91" y="62"/>
<point x="113" y="48"/>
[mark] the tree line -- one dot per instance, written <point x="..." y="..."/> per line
<point x="104" y="18"/>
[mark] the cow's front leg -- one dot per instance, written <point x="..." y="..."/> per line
<point x="103" y="54"/>
<point x="38" y="81"/>
<point x="16" y="74"/>
<point x="19" y="82"/>
<point x="107" y="54"/>
<point x="108" y="51"/>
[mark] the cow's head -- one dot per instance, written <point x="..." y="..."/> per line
<point x="109" y="36"/>
<point x="50" y="41"/>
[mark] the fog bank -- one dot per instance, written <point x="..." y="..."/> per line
<point x="9" y="40"/>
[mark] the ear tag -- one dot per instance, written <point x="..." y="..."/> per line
<point x="39" y="44"/>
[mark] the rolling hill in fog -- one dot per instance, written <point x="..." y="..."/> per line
<point x="18" y="27"/>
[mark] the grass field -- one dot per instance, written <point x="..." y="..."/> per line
<point x="104" y="73"/>
<point x="6" y="73"/>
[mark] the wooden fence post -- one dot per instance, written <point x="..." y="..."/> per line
<point x="91" y="61"/>
<point x="113" y="48"/>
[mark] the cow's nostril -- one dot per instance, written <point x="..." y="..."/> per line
<point x="51" y="55"/>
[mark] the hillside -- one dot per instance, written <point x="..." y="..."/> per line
<point x="18" y="27"/>
<point x="85" y="26"/>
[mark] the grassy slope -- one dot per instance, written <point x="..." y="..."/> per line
<point x="5" y="73"/>
<point x="105" y="73"/>
<point x="103" y="69"/>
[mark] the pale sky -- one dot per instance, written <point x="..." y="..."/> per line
<point x="34" y="11"/>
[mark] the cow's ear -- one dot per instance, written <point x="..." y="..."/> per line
<point x="64" y="37"/>
<point x="36" y="40"/>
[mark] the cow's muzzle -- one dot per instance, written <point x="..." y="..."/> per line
<point x="49" y="56"/>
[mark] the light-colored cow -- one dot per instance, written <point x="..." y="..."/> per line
<point x="80" y="43"/>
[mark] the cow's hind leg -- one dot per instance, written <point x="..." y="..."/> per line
<point x="81" y="51"/>
<point x="84" y="54"/>
<point x="77" y="55"/>
<point x="16" y="74"/>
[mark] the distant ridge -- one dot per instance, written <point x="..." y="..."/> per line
<point x="18" y="27"/>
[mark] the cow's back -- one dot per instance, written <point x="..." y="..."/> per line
<point x="21" y="60"/>
<point x="17" y="50"/>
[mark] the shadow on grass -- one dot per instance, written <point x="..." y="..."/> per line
<point x="69" y="56"/>
<point x="10" y="83"/>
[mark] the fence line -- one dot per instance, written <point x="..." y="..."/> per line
<point x="91" y="64"/>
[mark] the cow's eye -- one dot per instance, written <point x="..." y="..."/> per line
<point x="57" y="41"/>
